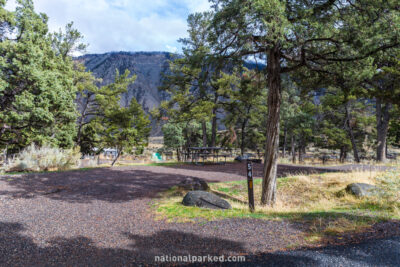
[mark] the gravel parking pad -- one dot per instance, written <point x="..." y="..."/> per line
<point x="102" y="217"/>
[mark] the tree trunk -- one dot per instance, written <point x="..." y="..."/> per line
<point x="82" y="121"/>
<point x="5" y="155"/>
<point x="382" y="120"/>
<point x="204" y="126"/>
<point x="187" y="137"/>
<point x="178" y="155"/>
<point x="268" y="195"/>
<point x="293" y="149"/>
<point x="301" y="150"/>
<point x="284" y="142"/>
<point x="351" y="134"/>
<point x="243" y="137"/>
<point x="342" y="154"/>
<point x="214" y="123"/>
<point x="386" y="148"/>
<point x="214" y="132"/>
<point x="116" y="158"/>
<point x="300" y="153"/>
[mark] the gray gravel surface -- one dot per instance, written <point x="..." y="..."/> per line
<point x="102" y="217"/>
<point x="379" y="253"/>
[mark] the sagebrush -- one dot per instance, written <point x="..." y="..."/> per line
<point x="44" y="158"/>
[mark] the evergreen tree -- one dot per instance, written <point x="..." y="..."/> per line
<point x="394" y="128"/>
<point x="37" y="92"/>
<point x="345" y="122"/>
<point x="173" y="137"/>
<point x="290" y="108"/>
<point x="244" y="92"/>
<point x="300" y="34"/>
<point x="192" y="83"/>
<point x="125" y="128"/>
<point x="104" y="123"/>
<point x="384" y="88"/>
<point x="69" y="42"/>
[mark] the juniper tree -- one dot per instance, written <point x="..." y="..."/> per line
<point x="68" y="42"/>
<point x="394" y="128"/>
<point x="182" y="135"/>
<point x="244" y="93"/>
<point x="192" y="82"/>
<point x="37" y="92"/>
<point x="173" y="137"/>
<point x="125" y="128"/>
<point x="104" y="123"/>
<point x="295" y="34"/>
<point x="291" y="101"/>
<point x="102" y="120"/>
<point x="384" y="88"/>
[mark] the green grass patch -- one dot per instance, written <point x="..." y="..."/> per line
<point x="319" y="201"/>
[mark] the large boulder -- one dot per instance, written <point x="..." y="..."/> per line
<point x="205" y="200"/>
<point x="193" y="184"/>
<point x="362" y="190"/>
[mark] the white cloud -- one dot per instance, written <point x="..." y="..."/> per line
<point x="123" y="25"/>
<point x="198" y="6"/>
<point x="171" y="49"/>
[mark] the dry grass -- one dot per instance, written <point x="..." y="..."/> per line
<point x="318" y="192"/>
<point x="320" y="201"/>
<point x="305" y="192"/>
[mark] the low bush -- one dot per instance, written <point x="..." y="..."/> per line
<point x="44" y="158"/>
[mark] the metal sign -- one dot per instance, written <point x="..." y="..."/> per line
<point x="250" y="184"/>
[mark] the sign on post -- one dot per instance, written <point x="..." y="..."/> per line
<point x="250" y="184"/>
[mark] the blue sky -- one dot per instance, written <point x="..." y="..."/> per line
<point x="123" y="25"/>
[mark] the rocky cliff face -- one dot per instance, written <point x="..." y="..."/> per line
<point x="147" y="66"/>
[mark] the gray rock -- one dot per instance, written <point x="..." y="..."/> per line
<point x="362" y="190"/>
<point x="193" y="184"/>
<point x="205" y="200"/>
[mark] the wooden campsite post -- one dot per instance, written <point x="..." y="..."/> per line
<point x="250" y="187"/>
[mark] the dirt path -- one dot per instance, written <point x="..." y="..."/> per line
<point x="102" y="217"/>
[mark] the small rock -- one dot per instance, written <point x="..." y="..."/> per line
<point x="193" y="184"/>
<point x="205" y="200"/>
<point x="362" y="190"/>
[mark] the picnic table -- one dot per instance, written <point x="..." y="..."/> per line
<point x="195" y="154"/>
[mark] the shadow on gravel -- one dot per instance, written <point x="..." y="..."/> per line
<point x="176" y="243"/>
<point x="19" y="250"/>
<point x="380" y="252"/>
<point x="339" y="228"/>
<point x="106" y="184"/>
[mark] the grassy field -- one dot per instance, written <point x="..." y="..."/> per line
<point x="319" y="201"/>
